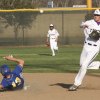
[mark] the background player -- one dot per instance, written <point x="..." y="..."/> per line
<point x="12" y="80"/>
<point x="90" y="50"/>
<point x="52" y="37"/>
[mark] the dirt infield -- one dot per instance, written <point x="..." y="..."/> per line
<point x="54" y="86"/>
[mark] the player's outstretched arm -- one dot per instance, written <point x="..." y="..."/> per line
<point x="11" y="58"/>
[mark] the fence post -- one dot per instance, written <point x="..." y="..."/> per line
<point x="62" y="27"/>
<point x="89" y="4"/>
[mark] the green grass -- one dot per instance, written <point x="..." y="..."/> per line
<point x="39" y="59"/>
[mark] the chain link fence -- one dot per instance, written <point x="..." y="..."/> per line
<point x="30" y="28"/>
<point x="19" y="4"/>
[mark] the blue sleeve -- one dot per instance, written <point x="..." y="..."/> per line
<point x="4" y="83"/>
<point x="18" y="69"/>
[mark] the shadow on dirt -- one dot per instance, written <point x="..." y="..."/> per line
<point x="63" y="85"/>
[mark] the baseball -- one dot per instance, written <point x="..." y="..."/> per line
<point x="25" y="88"/>
<point x="41" y="11"/>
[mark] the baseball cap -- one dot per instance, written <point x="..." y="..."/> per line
<point x="97" y="12"/>
<point x="51" y="25"/>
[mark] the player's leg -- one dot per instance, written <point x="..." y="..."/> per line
<point x="84" y="62"/>
<point x="55" y="47"/>
<point x="83" y="56"/>
<point x="53" y="52"/>
<point x="94" y="65"/>
<point x="83" y="69"/>
<point x="52" y="47"/>
<point x="77" y="81"/>
<point x="90" y="57"/>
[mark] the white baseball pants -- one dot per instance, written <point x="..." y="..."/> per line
<point x="88" y="54"/>
<point x="53" y="45"/>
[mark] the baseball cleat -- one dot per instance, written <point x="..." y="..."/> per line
<point x="53" y="55"/>
<point x="73" y="88"/>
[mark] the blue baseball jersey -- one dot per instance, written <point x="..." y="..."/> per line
<point x="15" y="81"/>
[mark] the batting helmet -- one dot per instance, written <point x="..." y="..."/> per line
<point x="5" y="70"/>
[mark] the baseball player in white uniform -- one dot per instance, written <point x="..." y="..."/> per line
<point x="90" y="50"/>
<point x="52" y="37"/>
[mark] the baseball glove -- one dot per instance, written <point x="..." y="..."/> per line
<point x="95" y="35"/>
<point x="47" y="44"/>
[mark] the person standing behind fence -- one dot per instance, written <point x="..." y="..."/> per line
<point x="52" y="38"/>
